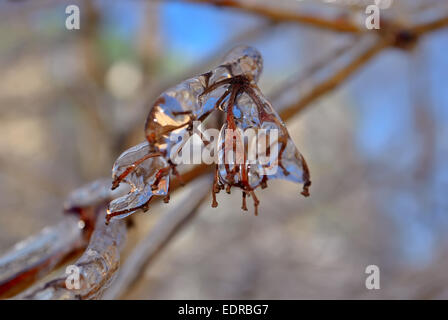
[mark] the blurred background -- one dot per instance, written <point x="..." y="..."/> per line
<point x="72" y="100"/>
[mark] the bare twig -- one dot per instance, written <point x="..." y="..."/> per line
<point x="337" y="25"/>
<point x="359" y="61"/>
<point x="312" y="71"/>
<point x="335" y="79"/>
<point x="431" y="26"/>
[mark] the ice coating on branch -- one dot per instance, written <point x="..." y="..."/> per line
<point x="285" y="162"/>
<point x="91" y="194"/>
<point x="233" y="167"/>
<point x="97" y="267"/>
<point x="147" y="177"/>
<point x="195" y="98"/>
<point x="245" y="60"/>
<point x="231" y="88"/>
<point x="37" y="255"/>
<point x="172" y="114"/>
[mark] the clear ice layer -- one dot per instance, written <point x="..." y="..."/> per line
<point x="146" y="167"/>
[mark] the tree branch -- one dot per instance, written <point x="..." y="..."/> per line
<point x="335" y="79"/>
<point x="96" y="266"/>
<point x="166" y="228"/>
<point x="36" y="256"/>
<point x="337" y="25"/>
<point x="431" y="26"/>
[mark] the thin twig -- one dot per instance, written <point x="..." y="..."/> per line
<point x="337" y="25"/>
<point x="311" y="71"/>
<point x="335" y="79"/>
<point x="430" y="26"/>
<point x="359" y="61"/>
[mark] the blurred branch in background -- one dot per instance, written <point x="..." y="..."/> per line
<point x="319" y="89"/>
<point x="278" y="15"/>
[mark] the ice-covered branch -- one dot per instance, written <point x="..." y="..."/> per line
<point x="165" y="229"/>
<point x="34" y="257"/>
<point x="96" y="267"/>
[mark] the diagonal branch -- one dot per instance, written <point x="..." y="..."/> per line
<point x="335" y="79"/>
<point x="431" y="26"/>
<point x="278" y="15"/>
<point x="36" y="256"/>
<point x="96" y="267"/>
<point x="313" y="71"/>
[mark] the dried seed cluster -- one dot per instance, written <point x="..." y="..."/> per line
<point x="230" y="88"/>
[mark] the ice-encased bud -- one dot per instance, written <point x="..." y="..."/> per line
<point x="128" y="158"/>
<point x="175" y="108"/>
<point x="245" y="60"/>
<point x="143" y="175"/>
<point x="284" y="160"/>
<point x="234" y="163"/>
<point x="232" y="84"/>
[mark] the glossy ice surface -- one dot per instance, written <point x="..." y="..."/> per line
<point x="286" y="163"/>
<point x="141" y="179"/>
<point x="186" y="102"/>
<point x="231" y="88"/>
